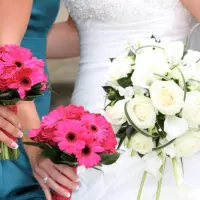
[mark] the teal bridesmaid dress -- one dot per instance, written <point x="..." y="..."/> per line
<point x="16" y="178"/>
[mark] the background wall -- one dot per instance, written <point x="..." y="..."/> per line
<point x="62" y="72"/>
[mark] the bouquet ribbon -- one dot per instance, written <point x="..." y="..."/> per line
<point x="57" y="196"/>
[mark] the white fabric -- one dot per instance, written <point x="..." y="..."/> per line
<point x="105" y="28"/>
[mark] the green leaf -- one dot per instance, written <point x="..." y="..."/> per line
<point x="131" y="54"/>
<point x="71" y="164"/>
<point x="48" y="153"/>
<point x="124" y="82"/>
<point x="133" y="125"/>
<point x="36" y="144"/>
<point x="121" y="141"/>
<point x="68" y="157"/>
<point x="111" y="59"/>
<point x="108" y="159"/>
<point x="130" y="131"/>
<point x="112" y="94"/>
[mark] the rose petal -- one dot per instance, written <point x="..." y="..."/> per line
<point x="175" y="127"/>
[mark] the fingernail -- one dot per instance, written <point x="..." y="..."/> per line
<point x="67" y="195"/>
<point x="77" y="188"/>
<point x="77" y="180"/>
<point x="19" y="126"/>
<point x="14" y="145"/>
<point x="20" y="134"/>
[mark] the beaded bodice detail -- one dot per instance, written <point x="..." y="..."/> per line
<point x="129" y="10"/>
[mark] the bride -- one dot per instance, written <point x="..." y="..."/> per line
<point x="105" y="27"/>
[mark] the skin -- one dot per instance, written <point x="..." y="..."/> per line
<point x="63" y="40"/>
<point x="194" y="7"/>
<point x="13" y="24"/>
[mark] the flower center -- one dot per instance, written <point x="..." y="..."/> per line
<point x="71" y="136"/>
<point x="25" y="81"/>
<point x="167" y="98"/>
<point x="86" y="150"/>
<point x="18" y="63"/>
<point x="94" y="128"/>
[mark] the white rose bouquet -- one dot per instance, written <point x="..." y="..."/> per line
<point x="153" y="99"/>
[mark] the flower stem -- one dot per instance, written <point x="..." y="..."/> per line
<point x="162" y="168"/>
<point x="141" y="185"/>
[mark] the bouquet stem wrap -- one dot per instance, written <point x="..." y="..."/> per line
<point x="57" y="196"/>
<point x="6" y="152"/>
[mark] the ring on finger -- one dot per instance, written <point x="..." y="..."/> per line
<point x="45" y="179"/>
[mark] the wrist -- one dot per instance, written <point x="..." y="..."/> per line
<point x="31" y="151"/>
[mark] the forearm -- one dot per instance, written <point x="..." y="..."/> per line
<point x="14" y="17"/>
<point x="194" y="7"/>
<point x="63" y="41"/>
<point x="29" y="119"/>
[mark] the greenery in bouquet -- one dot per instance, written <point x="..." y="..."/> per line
<point x="153" y="101"/>
<point x="22" y="78"/>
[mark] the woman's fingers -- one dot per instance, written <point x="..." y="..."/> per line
<point x="10" y="116"/>
<point x="51" y="183"/>
<point x="44" y="187"/>
<point x="9" y="142"/>
<point x="68" y="171"/>
<point x="61" y="178"/>
<point x="11" y="129"/>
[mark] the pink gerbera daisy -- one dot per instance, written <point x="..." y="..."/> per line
<point x="70" y="136"/>
<point x="16" y="55"/>
<point x="74" y="112"/>
<point x="88" y="156"/>
<point x="97" y="125"/>
<point x="7" y="73"/>
<point x="35" y="62"/>
<point x="54" y="116"/>
<point x="34" y="134"/>
<point x="110" y="143"/>
<point x="25" y="78"/>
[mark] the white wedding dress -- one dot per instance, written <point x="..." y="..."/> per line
<point x="105" y="28"/>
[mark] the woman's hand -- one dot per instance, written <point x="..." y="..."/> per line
<point x="56" y="176"/>
<point x="10" y="123"/>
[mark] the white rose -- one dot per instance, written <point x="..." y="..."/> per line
<point x="175" y="127"/>
<point x="142" y="77"/>
<point x="119" y="68"/>
<point x="115" y="114"/>
<point x="141" y="112"/>
<point x="188" y="144"/>
<point x="141" y="143"/>
<point x="167" y="97"/>
<point x="191" y="109"/>
<point x="155" y="60"/>
<point x="174" y="51"/>
<point x="148" y="66"/>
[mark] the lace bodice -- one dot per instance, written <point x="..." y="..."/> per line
<point x="129" y="10"/>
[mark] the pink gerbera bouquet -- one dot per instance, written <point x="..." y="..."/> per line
<point x="22" y="77"/>
<point x="75" y="137"/>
